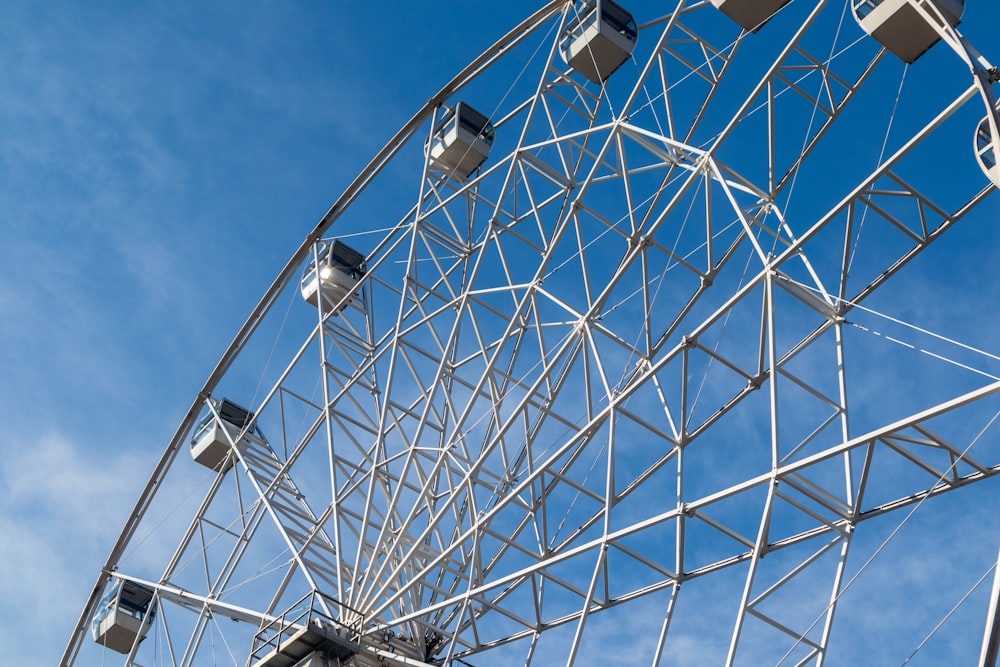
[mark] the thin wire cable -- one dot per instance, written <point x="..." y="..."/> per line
<point x="569" y="508"/>
<point x="729" y="48"/>
<point x="891" y="536"/>
<point x="169" y="514"/>
<point x="274" y="346"/>
<point x="933" y="355"/>
<point x="222" y="636"/>
<point x="718" y="342"/>
<point x="202" y="552"/>
<point x="812" y="119"/>
<point x="926" y="332"/>
<point x="787" y="88"/>
<point x="367" y="232"/>
<point x="261" y="572"/>
<point x="668" y="266"/>
<point x="881" y="156"/>
<point x="950" y="613"/>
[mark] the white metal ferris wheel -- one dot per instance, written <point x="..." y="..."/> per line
<point x="590" y="337"/>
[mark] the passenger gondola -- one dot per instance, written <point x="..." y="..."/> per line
<point x="599" y="39"/>
<point x="124" y="616"/>
<point x="750" y="14"/>
<point x="900" y="27"/>
<point x="332" y="271"/>
<point x="461" y="142"/>
<point x="211" y="446"/>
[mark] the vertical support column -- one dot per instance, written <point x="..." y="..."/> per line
<point x="327" y="418"/>
<point x="991" y="638"/>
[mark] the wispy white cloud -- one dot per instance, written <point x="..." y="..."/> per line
<point x="62" y="507"/>
<point x="157" y="166"/>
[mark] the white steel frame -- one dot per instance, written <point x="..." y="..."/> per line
<point x="490" y="424"/>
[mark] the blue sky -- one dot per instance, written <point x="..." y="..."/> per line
<point x="159" y="162"/>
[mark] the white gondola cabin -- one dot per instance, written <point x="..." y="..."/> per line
<point x="750" y="14"/>
<point x="461" y="141"/>
<point x="210" y="445"/>
<point x="986" y="152"/>
<point x="331" y="273"/>
<point x="124" y="616"/>
<point x="900" y="27"/>
<point x="599" y="39"/>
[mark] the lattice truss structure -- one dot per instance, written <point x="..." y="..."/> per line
<point x="633" y="352"/>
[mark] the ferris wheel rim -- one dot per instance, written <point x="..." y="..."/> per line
<point x="285" y="277"/>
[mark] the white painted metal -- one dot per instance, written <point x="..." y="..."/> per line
<point x="937" y="20"/>
<point x="991" y="637"/>
<point x="986" y="149"/>
<point x="624" y="363"/>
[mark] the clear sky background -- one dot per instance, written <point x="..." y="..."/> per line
<point x="159" y="162"/>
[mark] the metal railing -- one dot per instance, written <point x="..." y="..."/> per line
<point x="321" y="612"/>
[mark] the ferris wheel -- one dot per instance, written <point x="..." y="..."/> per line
<point x="596" y="361"/>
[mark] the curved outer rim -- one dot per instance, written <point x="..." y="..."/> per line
<point x="360" y="183"/>
<point x="983" y="72"/>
